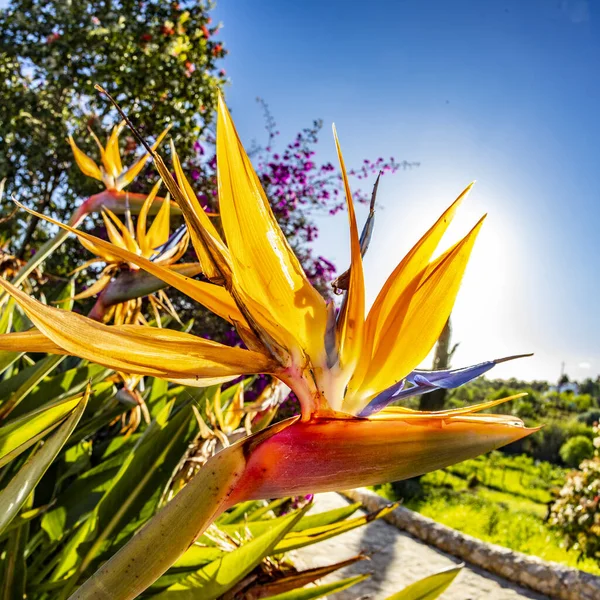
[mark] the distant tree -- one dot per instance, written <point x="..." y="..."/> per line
<point x="443" y="354"/>
<point x="591" y="386"/>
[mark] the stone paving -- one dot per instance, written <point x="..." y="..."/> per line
<point x="396" y="560"/>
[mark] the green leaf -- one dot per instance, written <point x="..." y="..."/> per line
<point x="428" y="588"/>
<point x="299" y="539"/>
<point x="38" y="258"/>
<point x="78" y="500"/>
<point x="157" y="397"/>
<point x="6" y="316"/>
<point x="196" y="556"/>
<point x="257" y="514"/>
<point x="316" y="527"/>
<point x="8" y="358"/>
<point x="319" y="526"/>
<point x="221" y="575"/>
<point x="320" y="590"/>
<point x="22" y="484"/>
<point x="64" y="385"/>
<point x="14" y="577"/>
<point x="34" y="375"/>
<point x="25" y="517"/>
<point x="328" y="517"/>
<point x="144" y="474"/>
<point x="239" y="511"/>
<point x="62" y="296"/>
<point x="19" y="434"/>
<point x="110" y="410"/>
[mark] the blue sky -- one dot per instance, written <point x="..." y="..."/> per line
<point x="504" y="92"/>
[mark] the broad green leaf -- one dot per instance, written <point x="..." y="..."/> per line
<point x="201" y="553"/>
<point x="16" y="380"/>
<point x="25" y="517"/>
<point x="428" y="588"/>
<point x="63" y="296"/>
<point x="8" y="358"/>
<point x="117" y="445"/>
<point x="196" y="556"/>
<point x="144" y="474"/>
<point x="35" y="374"/>
<point x="334" y="515"/>
<point x="239" y="511"/>
<point x="110" y="410"/>
<point x="78" y="500"/>
<point x="257" y="514"/>
<point x="22" y="484"/>
<point x="221" y="575"/>
<point x="6" y="316"/>
<point x="65" y="384"/>
<point x="319" y="591"/>
<point x="157" y="396"/>
<point x="19" y="434"/>
<point x="299" y="539"/>
<point x="317" y="525"/>
<point x="38" y="258"/>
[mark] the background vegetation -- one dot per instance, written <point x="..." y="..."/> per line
<point x="519" y="497"/>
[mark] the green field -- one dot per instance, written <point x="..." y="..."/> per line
<point x="499" y="499"/>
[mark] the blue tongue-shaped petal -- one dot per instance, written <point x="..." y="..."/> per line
<point x="170" y="244"/>
<point x="424" y="382"/>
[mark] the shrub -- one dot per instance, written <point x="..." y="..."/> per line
<point x="547" y="443"/>
<point x="408" y="489"/>
<point x="524" y="409"/>
<point x="575" y="450"/>
<point x="576" y="514"/>
<point x="583" y="402"/>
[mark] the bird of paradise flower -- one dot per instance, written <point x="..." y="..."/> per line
<point x="153" y="243"/>
<point x="344" y="369"/>
<point x="110" y="172"/>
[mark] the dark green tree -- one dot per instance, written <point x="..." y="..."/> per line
<point x="441" y="360"/>
<point x="158" y="58"/>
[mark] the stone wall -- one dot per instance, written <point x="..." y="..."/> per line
<point x="552" y="579"/>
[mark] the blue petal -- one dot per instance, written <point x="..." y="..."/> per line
<point x="175" y="238"/>
<point x="424" y="382"/>
<point x="449" y="378"/>
<point x="382" y="400"/>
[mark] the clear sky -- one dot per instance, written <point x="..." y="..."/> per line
<point x="504" y="92"/>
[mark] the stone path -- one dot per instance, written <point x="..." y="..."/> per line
<point x="398" y="559"/>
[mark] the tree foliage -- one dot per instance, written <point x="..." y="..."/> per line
<point x="160" y="59"/>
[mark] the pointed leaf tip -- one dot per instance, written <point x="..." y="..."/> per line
<point x="513" y="357"/>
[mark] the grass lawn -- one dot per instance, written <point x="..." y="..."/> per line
<point x="498" y="499"/>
